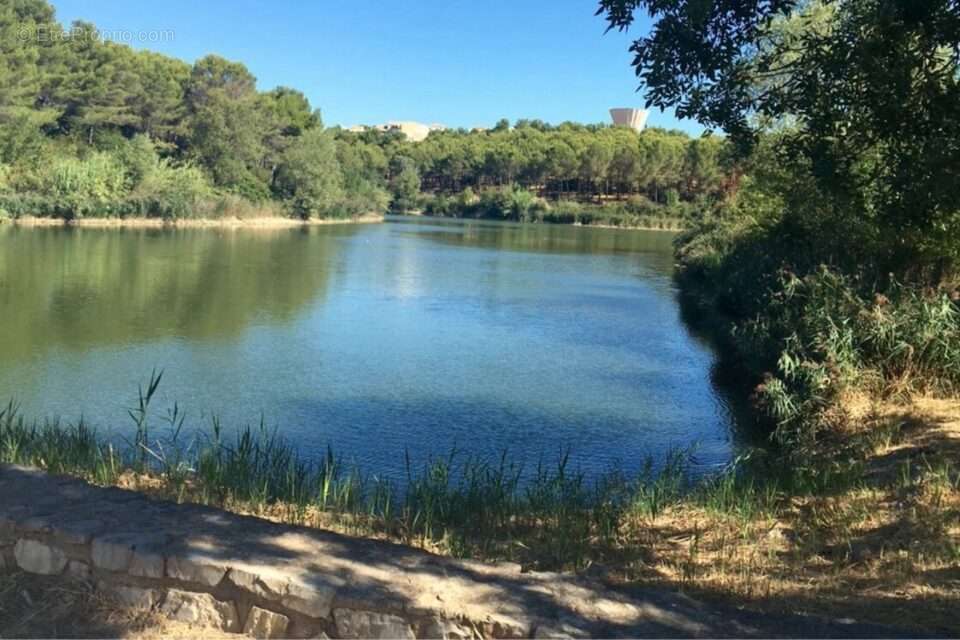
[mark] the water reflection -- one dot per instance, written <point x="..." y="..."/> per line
<point x="545" y="238"/>
<point x="79" y="288"/>
<point x="415" y="335"/>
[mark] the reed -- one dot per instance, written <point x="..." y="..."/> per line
<point x="551" y="515"/>
<point x="725" y="533"/>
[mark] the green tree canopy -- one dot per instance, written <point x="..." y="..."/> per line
<point x="864" y="96"/>
<point x="309" y="174"/>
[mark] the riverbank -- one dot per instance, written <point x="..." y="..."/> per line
<point x="186" y="223"/>
<point x="123" y="565"/>
<point x="870" y="532"/>
<point x="585" y="225"/>
<point x="599" y="225"/>
<point x="518" y="205"/>
<point x="855" y="370"/>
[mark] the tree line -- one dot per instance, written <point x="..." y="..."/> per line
<point x="574" y="160"/>
<point x="94" y="128"/>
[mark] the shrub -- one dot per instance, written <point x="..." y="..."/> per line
<point x="467" y="198"/>
<point x="172" y="191"/>
<point x="18" y="205"/>
<point x="83" y="187"/>
<point x="405" y="184"/>
<point x="814" y="333"/>
<point x="563" y="212"/>
<point x="438" y="205"/>
<point x="230" y="205"/>
<point x="138" y="156"/>
<point x="523" y="206"/>
<point x="365" y="198"/>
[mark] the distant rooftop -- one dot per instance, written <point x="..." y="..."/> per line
<point x="414" y="131"/>
<point x="629" y="117"/>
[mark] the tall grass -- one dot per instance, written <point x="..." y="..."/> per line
<point x="816" y="326"/>
<point x="550" y="515"/>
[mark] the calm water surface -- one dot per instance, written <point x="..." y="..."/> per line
<point x="413" y="335"/>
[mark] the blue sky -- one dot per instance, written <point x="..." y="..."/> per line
<point x="455" y="62"/>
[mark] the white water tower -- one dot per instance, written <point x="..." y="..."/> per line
<point x="626" y="117"/>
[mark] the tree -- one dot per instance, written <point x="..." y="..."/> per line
<point x="865" y="95"/>
<point x="308" y="176"/>
<point x="595" y="162"/>
<point x="292" y="110"/>
<point x="405" y="183"/>
<point x="702" y="167"/>
<point x="20" y="57"/>
<point x="226" y="125"/>
<point x="159" y="99"/>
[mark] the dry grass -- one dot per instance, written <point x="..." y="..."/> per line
<point x="885" y="550"/>
<point x="52" y="607"/>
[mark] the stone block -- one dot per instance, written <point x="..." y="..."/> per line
<point x="314" y="600"/>
<point x="353" y="623"/>
<point x="132" y="597"/>
<point x="192" y="567"/>
<point x="265" y="624"/>
<point x="112" y="553"/>
<point x="146" y="563"/>
<point x="36" y="557"/>
<point x="137" y="554"/>
<point x="200" y="609"/>
<point x="505" y="628"/>
<point x="445" y="630"/>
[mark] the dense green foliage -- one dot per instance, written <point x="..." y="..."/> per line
<point x="520" y="205"/>
<point x="814" y="334"/>
<point x="573" y="174"/>
<point x="93" y="128"/>
<point x="864" y="97"/>
<point x="571" y="160"/>
<point x="832" y="271"/>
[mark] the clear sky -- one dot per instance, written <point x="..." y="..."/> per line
<point x="455" y="62"/>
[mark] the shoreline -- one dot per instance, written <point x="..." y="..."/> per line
<point x="545" y="223"/>
<point x="198" y="223"/>
<point x="742" y="550"/>
<point x="613" y="226"/>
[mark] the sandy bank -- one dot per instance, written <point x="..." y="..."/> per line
<point x="226" y="222"/>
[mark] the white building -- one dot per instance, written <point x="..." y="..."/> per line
<point x="414" y="131"/>
<point x="627" y="117"/>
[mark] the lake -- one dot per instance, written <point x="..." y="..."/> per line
<point x="415" y="336"/>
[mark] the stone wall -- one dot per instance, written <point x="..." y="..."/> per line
<point x="182" y="569"/>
